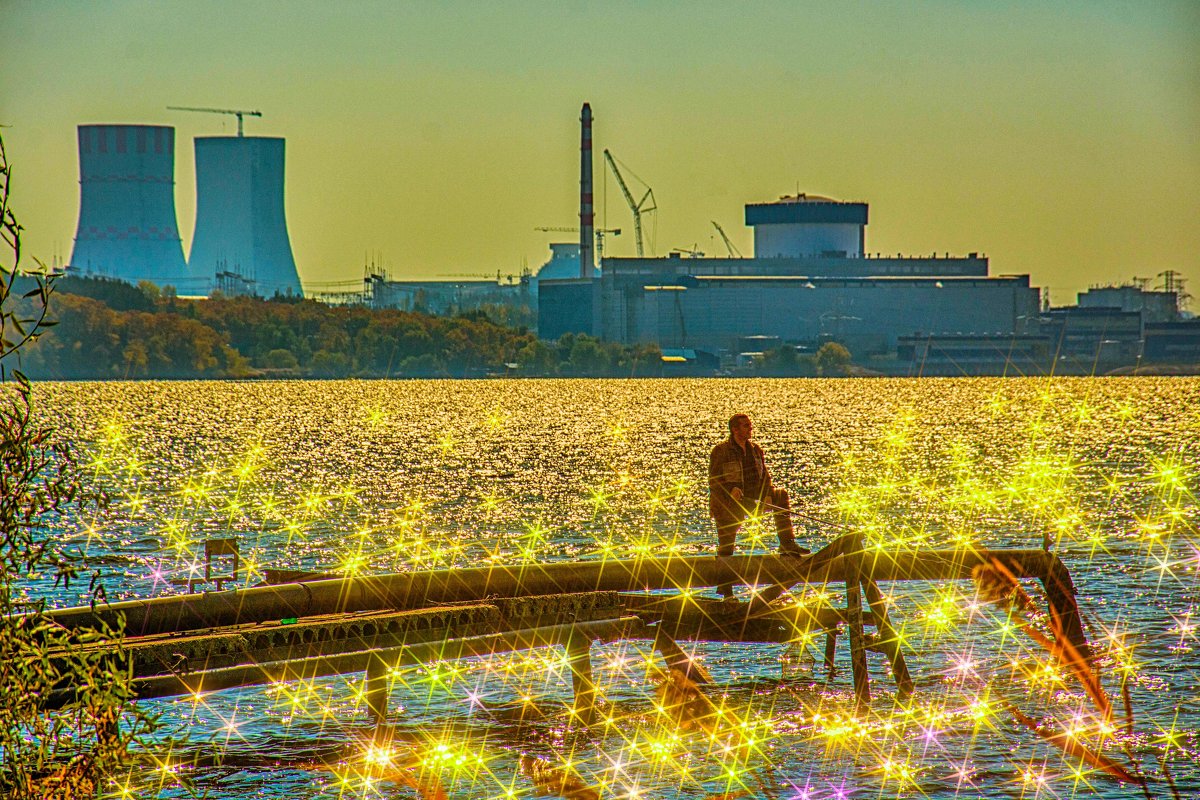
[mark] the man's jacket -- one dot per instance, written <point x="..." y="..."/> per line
<point x="726" y="472"/>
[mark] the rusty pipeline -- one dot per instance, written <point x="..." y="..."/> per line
<point x="421" y="589"/>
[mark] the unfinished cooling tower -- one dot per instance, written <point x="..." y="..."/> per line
<point x="127" y="226"/>
<point x="240" y="224"/>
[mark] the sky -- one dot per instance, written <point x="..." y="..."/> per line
<point x="1061" y="139"/>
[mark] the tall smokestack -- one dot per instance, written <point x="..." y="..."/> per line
<point x="586" y="213"/>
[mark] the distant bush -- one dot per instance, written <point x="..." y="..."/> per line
<point x="832" y="359"/>
<point x="785" y="362"/>
<point x="280" y="358"/>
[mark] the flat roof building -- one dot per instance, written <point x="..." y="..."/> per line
<point x="811" y="278"/>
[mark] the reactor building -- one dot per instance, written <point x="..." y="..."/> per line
<point x="127" y="225"/>
<point x="811" y="279"/>
<point x="241" y="237"/>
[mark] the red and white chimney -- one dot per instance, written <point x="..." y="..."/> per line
<point x="586" y="210"/>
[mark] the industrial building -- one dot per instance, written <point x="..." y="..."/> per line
<point x="956" y="355"/>
<point x="1154" y="306"/>
<point x="127" y="224"/>
<point x="1172" y="342"/>
<point x="516" y="292"/>
<point x="811" y="279"/>
<point x="241" y="234"/>
<point x="447" y="298"/>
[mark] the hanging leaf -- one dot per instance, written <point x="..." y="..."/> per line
<point x="1077" y="749"/>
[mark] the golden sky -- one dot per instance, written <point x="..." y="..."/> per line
<point x="1062" y="139"/>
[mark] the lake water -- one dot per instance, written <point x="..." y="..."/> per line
<point x="390" y="476"/>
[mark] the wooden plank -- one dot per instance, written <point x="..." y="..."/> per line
<point x="888" y="640"/>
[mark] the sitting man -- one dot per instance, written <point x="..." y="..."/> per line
<point x="739" y="486"/>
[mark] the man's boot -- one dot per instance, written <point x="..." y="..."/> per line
<point x="787" y="542"/>
<point x="787" y="536"/>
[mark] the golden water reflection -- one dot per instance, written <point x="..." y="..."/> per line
<point x="358" y="477"/>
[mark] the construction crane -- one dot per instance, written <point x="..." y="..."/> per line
<point x="730" y="246"/>
<point x="600" y="234"/>
<point x="638" y="207"/>
<point x="236" y="112"/>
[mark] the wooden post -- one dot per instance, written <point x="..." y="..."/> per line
<point x="858" y="649"/>
<point x="377" y="691"/>
<point x="673" y="654"/>
<point x="579" y="658"/>
<point x="830" y="649"/>
<point x="889" y="642"/>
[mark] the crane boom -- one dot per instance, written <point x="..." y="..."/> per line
<point x="638" y="207"/>
<point x="730" y="246"/>
<point x="599" y="232"/>
<point x="613" y="231"/>
<point x="239" y="113"/>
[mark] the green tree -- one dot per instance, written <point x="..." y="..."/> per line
<point x="74" y="751"/>
<point x="425" y="365"/>
<point x="152" y="292"/>
<point x="785" y="362"/>
<point x="137" y="360"/>
<point x="587" y="357"/>
<point x="832" y="359"/>
<point x="280" y="359"/>
<point x="326" y="364"/>
<point x="537" y="358"/>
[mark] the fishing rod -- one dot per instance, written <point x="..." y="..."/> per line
<point x="808" y="517"/>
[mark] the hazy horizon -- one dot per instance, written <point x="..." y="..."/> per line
<point x="1062" y="141"/>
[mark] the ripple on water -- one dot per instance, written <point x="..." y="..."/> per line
<point x="383" y="476"/>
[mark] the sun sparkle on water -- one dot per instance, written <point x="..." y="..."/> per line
<point x="428" y="475"/>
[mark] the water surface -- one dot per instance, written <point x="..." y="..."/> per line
<point x="388" y="476"/>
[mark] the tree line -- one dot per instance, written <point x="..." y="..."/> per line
<point x="106" y="329"/>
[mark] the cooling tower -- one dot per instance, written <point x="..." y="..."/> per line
<point x="240" y="224"/>
<point x="127" y="226"/>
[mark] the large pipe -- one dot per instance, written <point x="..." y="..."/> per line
<point x="587" y="216"/>
<point x="169" y="685"/>
<point x="415" y="590"/>
<point x="425" y="588"/>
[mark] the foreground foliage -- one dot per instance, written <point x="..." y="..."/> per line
<point x="78" y="750"/>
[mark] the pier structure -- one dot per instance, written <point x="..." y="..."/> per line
<point x="196" y="643"/>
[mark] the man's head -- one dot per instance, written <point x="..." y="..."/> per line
<point x="740" y="428"/>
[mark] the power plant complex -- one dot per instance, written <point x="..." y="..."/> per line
<point x="810" y="280"/>
<point x="128" y="228"/>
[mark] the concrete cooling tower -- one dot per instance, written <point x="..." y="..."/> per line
<point x="127" y="225"/>
<point x="240" y="223"/>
